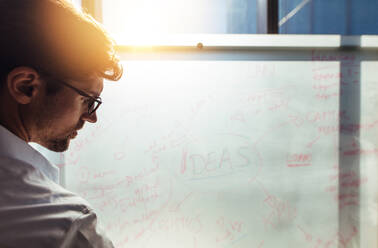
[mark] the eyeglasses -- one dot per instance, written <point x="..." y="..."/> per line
<point x="93" y="103"/>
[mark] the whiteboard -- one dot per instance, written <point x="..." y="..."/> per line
<point x="257" y="150"/>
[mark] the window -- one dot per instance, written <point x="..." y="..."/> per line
<point x="177" y="17"/>
<point x="163" y="17"/>
<point x="250" y="147"/>
<point x="354" y="17"/>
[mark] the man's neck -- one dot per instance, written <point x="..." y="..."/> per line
<point x="11" y="119"/>
<point x="16" y="131"/>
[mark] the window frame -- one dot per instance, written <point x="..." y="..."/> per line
<point x="267" y="23"/>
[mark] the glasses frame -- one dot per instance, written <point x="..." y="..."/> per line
<point x="82" y="93"/>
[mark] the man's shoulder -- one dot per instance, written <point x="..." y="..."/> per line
<point x="14" y="168"/>
<point x="21" y="183"/>
<point x="30" y="202"/>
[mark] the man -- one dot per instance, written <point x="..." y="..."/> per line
<point x="53" y="59"/>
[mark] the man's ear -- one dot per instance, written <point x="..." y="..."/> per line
<point x="23" y="84"/>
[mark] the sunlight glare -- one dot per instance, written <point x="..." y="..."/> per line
<point x="145" y="21"/>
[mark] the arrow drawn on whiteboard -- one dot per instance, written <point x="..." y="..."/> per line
<point x="120" y="154"/>
<point x="238" y="117"/>
<point x="180" y="203"/>
<point x="261" y="244"/>
<point x="184" y="159"/>
<point x="309" y="145"/>
<point x="269" y="131"/>
<point x="307" y="235"/>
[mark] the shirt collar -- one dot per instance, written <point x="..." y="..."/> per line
<point x="12" y="146"/>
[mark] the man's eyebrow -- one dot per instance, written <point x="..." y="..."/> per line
<point x="91" y="93"/>
<point x="94" y="94"/>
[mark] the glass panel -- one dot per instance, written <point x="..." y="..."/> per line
<point x="258" y="149"/>
<point x="328" y="17"/>
<point x="130" y="17"/>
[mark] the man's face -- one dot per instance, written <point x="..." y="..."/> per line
<point x="58" y="117"/>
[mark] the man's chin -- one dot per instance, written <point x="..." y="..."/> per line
<point x="59" y="145"/>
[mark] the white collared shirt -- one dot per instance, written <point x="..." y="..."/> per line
<point x="35" y="211"/>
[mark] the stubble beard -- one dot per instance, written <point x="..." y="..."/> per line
<point x="46" y="122"/>
<point x="58" y="145"/>
<point x="54" y="142"/>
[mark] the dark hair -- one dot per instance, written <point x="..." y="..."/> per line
<point x="54" y="36"/>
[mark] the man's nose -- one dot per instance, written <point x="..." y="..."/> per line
<point x="89" y="117"/>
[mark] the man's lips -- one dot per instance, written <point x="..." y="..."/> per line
<point x="73" y="135"/>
